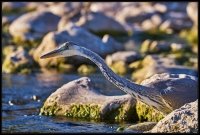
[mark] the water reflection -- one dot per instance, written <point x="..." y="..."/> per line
<point x="24" y="95"/>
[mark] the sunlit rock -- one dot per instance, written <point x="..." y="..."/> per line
<point x="33" y="25"/>
<point x="182" y="120"/>
<point x="80" y="99"/>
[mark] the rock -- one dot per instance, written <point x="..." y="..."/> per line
<point x="75" y="34"/>
<point x="178" y="21"/>
<point x="79" y="99"/>
<point x="86" y="69"/>
<point x="149" y="46"/>
<point x="192" y="11"/>
<point x="176" y="6"/>
<point x="144" y="126"/>
<point x="63" y="8"/>
<point x="148" y="113"/>
<point x="107" y="39"/>
<point x="17" y="61"/>
<point x="105" y="24"/>
<point x="125" y="56"/>
<point x="108" y="9"/>
<point x="182" y="120"/>
<point x="33" y="25"/>
<point x="119" y="67"/>
<point x="154" y="64"/>
<point x="8" y="6"/>
<point x="8" y="19"/>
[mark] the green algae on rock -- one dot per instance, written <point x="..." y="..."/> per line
<point x="148" y="113"/>
<point x="79" y="99"/>
<point x="17" y="61"/>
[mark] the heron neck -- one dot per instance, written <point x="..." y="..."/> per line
<point x="122" y="83"/>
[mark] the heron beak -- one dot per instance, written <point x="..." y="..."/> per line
<point x="53" y="53"/>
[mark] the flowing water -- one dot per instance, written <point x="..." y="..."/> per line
<point x="24" y="95"/>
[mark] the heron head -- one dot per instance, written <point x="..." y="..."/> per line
<point x="65" y="50"/>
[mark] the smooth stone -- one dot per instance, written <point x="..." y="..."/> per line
<point x="33" y="25"/>
<point x="182" y="120"/>
<point x="80" y="99"/>
<point x="105" y="23"/>
<point x="63" y="8"/>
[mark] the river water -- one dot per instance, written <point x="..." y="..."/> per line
<point x="24" y="95"/>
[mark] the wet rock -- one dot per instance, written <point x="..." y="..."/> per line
<point x="33" y="25"/>
<point x="125" y="56"/>
<point x="144" y="126"/>
<point x="17" y="61"/>
<point x="154" y="64"/>
<point x="80" y="99"/>
<point x="149" y="46"/>
<point x="75" y="34"/>
<point x="182" y="120"/>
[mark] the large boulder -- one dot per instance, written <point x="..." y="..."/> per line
<point x="75" y="34"/>
<point x="80" y="99"/>
<point x="182" y="120"/>
<point x="33" y="25"/>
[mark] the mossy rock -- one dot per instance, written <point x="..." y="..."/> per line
<point x="66" y="68"/>
<point x="79" y="99"/>
<point x="120" y="68"/>
<point x="86" y="69"/>
<point x="16" y="60"/>
<point x="148" y="113"/>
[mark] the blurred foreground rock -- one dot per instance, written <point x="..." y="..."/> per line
<point x="182" y="120"/>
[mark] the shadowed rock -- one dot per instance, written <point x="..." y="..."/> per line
<point x="79" y="99"/>
<point x="182" y="120"/>
<point x="33" y="25"/>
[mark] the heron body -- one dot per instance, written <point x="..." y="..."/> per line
<point x="165" y="93"/>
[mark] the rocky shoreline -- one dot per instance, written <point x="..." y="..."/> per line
<point x="157" y="38"/>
